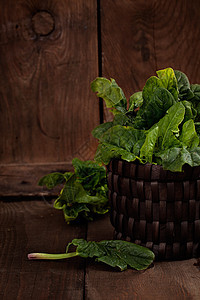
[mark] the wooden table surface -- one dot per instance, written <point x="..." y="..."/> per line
<point x="35" y="226"/>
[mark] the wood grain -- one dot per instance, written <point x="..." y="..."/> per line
<point x="17" y="180"/>
<point x="35" y="226"/>
<point x="165" y="280"/>
<point x="48" y="57"/>
<point x="140" y="37"/>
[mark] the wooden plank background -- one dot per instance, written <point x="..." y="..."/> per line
<point x="28" y="226"/>
<point x="48" y="57"/>
<point x="51" y="50"/>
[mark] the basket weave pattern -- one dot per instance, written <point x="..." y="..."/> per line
<point x="156" y="208"/>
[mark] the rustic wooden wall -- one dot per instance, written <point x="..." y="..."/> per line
<point x="51" y="50"/>
<point x="48" y="57"/>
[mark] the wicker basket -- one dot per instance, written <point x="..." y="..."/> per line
<point x="156" y="208"/>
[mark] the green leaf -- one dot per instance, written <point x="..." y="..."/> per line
<point x="53" y="179"/>
<point x="195" y="155"/>
<point x="147" y="150"/>
<point x="190" y="112"/>
<point x="174" y="158"/>
<point x="185" y="93"/>
<point x="75" y="193"/>
<point x="169" y="81"/>
<point x="84" y="193"/>
<point x="115" y="253"/>
<point x="195" y="88"/>
<point x="84" y="210"/>
<point x="124" y="137"/>
<point x="120" y="141"/>
<point x="74" y="200"/>
<point x="119" y="119"/>
<point x="101" y="129"/>
<point x="150" y="86"/>
<point x="111" y="93"/>
<point x="153" y="110"/>
<point x="90" y="174"/>
<point x="159" y="94"/>
<point x="135" y="101"/>
<point x="69" y="193"/>
<point x="188" y="136"/>
<point x="105" y="152"/>
<point x="122" y="119"/>
<point x="169" y="126"/>
<point x="71" y="213"/>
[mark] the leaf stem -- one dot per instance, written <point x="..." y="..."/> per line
<point x="51" y="256"/>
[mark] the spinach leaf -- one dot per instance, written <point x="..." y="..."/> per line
<point x="119" y="119"/>
<point x="120" y="141"/>
<point x="115" y="253"/>
<point x="74" y="200"/>
<point x="123" y="119"/>
<point x="169" y="126"/>
<point x="90" y="174"/>
<point x="85" y="191"/>
<point x="147" y="149"/>
<point x="166" y="79"/>
<point x="185" y="93"/>
<point x="54" y="179"/>
<point x="153" y="110"/>
<point x="135" y="101"/>
<point x="174" y="158"/>
<point x="105" y="152"/>
<point x="195" y="155"/>
<point x="101" y="129"/>
<point x="169" y="81"/>
<point x="150" y="87"/>
<point x="111" y="93"/>
<point x="190" y="111"/>
<point x="175" y="151"/>
<point x="75" y="193"/>
<point x="195" y="88"/>
<point x="73" y="212"/>
<point x="124" y="137"/>
<point x="159" y="94"/>
<point x="189" y="136"/>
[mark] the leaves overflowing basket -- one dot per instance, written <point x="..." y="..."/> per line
<point x="152" y="153"/>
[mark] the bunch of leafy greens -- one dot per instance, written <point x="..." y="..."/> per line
<point x="115" y="253"/>
<point x="84" y="193"/>
<point x="160" y="125"/>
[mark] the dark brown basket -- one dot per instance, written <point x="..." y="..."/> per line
<point x="156" y="208"/>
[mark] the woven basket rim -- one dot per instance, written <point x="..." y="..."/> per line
<point x="151" y="172"/>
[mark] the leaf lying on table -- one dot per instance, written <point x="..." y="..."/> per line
<point x="85" y="191"/>
<point x="115" y="253"/>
